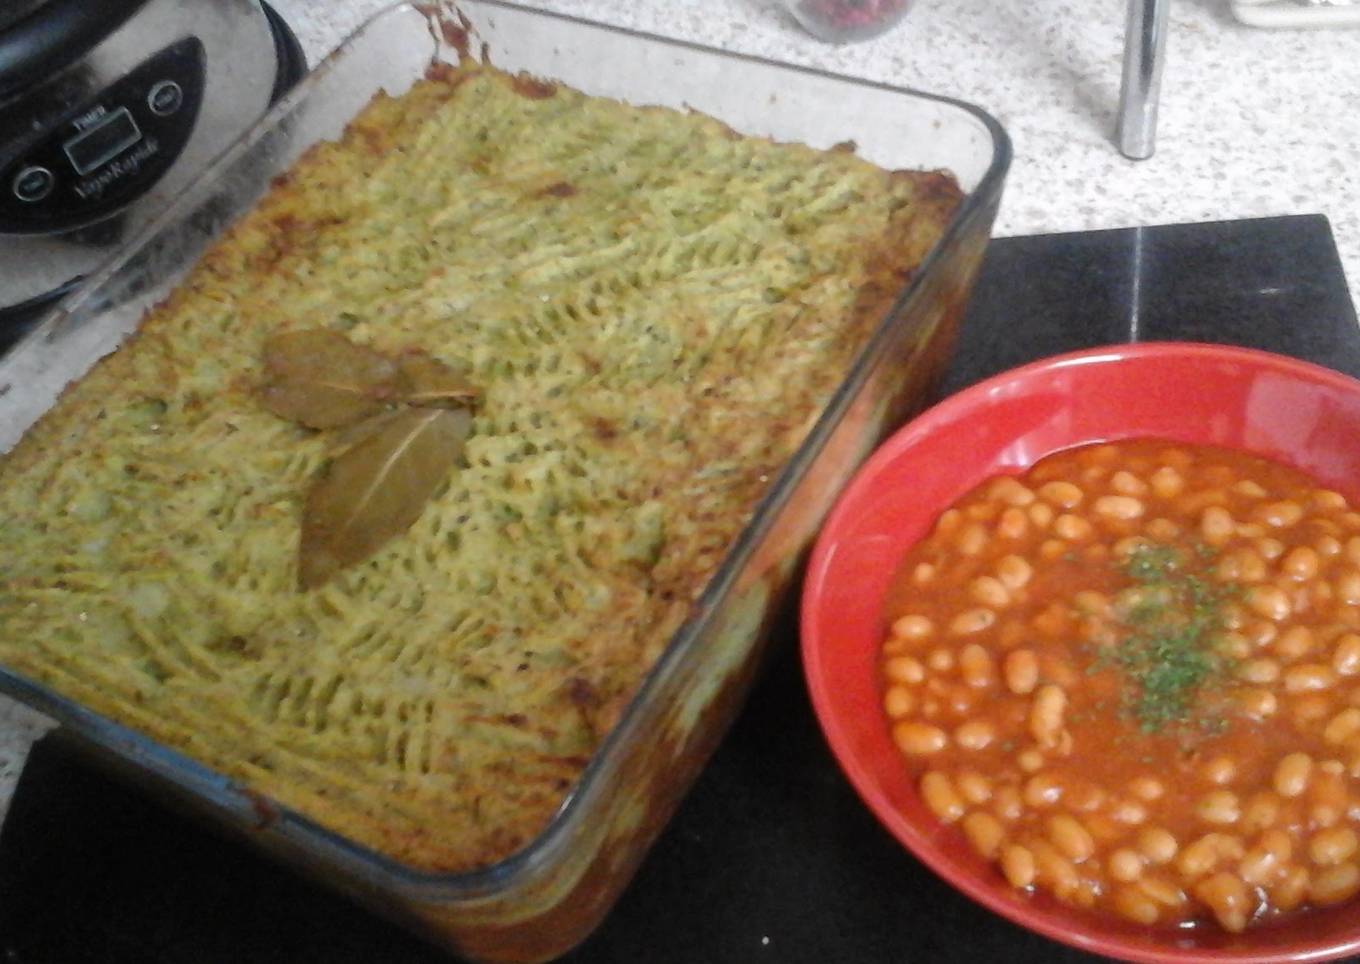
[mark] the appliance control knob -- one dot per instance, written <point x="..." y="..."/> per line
<point x="33" y="183"/>
<point x="164" y="98"/>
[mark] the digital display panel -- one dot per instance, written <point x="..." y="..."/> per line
<point x="103" y="142"/>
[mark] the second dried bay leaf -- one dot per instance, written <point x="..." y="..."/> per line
<point x="376" y="489"/>
<point x="425" y="380"/>
<point x="322" y="379"/>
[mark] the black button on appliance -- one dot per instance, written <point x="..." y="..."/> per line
<point x="33" y="183"/>
<point x="164" y="98"/>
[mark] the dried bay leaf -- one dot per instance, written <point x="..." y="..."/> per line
<point x="425" y="380"/>
<point x="322" y="379"/>
<point x="377" y="488"/>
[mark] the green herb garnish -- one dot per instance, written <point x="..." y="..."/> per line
<point x="1172" y="649"/>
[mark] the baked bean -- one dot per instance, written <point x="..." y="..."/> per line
<point x="1259" y="671"/>
<point x="941" y="797"/>
<point x="1308" y="677"/>
<point x="1042" y="790"/>
<point x="1294" y="643"/>
<point x="1331" y="885"/>
<point x="1051" y="549"/>
<point x="1343" y="726"/>
<point x="1292" y="774"/>
<point x="1041" y="514"/>
<point x="1279" y="514"/>
<point x="913" y="627"/>
<point x="984" y="832"/>
<point x="1157" y="845"/>
<point x="1046" y="714"/>
<point x="1328" y="797"/>
<point x="1326" y="499"/>
<point x="1062" y="494"/>
<point x="1226" y="895"/>
<point x="1346" y="656"/>
<point x="1257" y="703"/>
<point x="1069" y="836"/>
<point x="1125" y="865"/>
<point x="973" y="786"/>
<point x="1071" y="527"/>
<point x="940" y="660"/>
<point x="1291" y="889"/>
<point x="949" y="521"/>
<point x="972" y="621"/>
<point x="923" y="574"/>
<point x="1132" y="903"/>
<point x="904" y="669"/>
<point x="1167" y="483"/>
<point x="973" y="540"/>
<point x="1204" y="855"/>
<point x="975" y="735"/>
<point x="1129" y="811"/>
<point x="1162" y="891"/>
<point x="1014" y="523"/>
<point x="1126" y="483"/>
<point x="1013" y="571"/>
<point x="1269" y="549"/>
<point x="899" y="701"/>
<point x="1259" y="867"/>
<point x="919" y="739"/>
<point x="1260" y="812"/>
<point x="1053" y="869"/>
<point x="1007" y="804"/>
<point x="1332" y="846"/>
<point x="1271" y="602"/>
<point x="1216" y="525"/>
<point x="1250" y="489"/>
<point x="1012" y="492"/>
<point x="1147" y="788"/>
<point x="976" y="666"/>
<point x="1022" y="671"/>
<point x="1347" y="587"/>
<point x="1123" y="507"/>
<point x="1220" y="806"/>
<point x="1030" y="759"/>
<point x="1017" y="863"/>
<point x="1262" y="632"/>
<point x="1327" y="546"/>
<point x="1300" y="564"/>
<point x="1309" y="707"/>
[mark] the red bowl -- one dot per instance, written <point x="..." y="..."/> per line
<point x="1291" y="411"/>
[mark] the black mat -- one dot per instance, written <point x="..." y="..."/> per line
<point x="772" y="857"/>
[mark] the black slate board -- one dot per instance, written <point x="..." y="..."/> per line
<point x="771" y="857"/>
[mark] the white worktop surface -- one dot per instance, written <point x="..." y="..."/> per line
<point x="1253" y="122"/>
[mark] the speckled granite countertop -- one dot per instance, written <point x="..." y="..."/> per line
<point x="1253" y="122"/>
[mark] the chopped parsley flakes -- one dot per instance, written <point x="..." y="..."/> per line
<point x="1172" y="649"/>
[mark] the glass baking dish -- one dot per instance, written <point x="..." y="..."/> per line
<point x="543" y="900"/>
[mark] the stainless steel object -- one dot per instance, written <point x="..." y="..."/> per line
<point x="1144" y="54"/>
<point x="49" y="233"/>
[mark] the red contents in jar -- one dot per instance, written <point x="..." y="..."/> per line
<point x="854" y="13"/>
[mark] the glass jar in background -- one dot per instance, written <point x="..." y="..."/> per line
<point x="843" y="21"/>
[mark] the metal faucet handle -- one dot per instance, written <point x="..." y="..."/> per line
<point x="1144" y="53"/>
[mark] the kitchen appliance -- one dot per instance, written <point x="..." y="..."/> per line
<point x="108" y="108"/>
